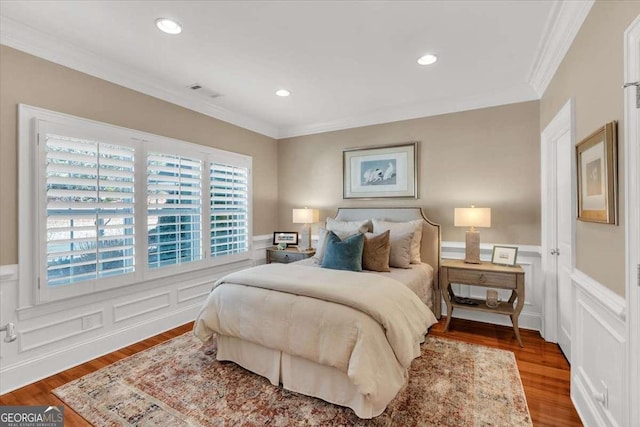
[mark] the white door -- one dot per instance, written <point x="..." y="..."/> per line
<point x="632" y="215"/>
<point x="558" y="227"/>
<point x="564" y="239"/>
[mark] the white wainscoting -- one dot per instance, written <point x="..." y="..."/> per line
<point x="63" y="334"/>
<point x="529" y="257"/>
<point x="598" y="347"/>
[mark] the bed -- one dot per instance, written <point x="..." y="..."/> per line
<point x="347" y="338"/>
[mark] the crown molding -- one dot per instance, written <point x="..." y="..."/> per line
<point x="561" y="28"/>
<point x="37" y="43"/>
<point x="513" y="95"/>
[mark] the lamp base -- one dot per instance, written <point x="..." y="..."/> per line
<point x="305" y="238"/>
<point x="472" y="248"/>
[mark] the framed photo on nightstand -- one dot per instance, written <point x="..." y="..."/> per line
<point x="290" y="238"/>
<point x="504" y="255"/>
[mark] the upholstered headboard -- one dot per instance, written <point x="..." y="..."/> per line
<point x="431" y="237"/>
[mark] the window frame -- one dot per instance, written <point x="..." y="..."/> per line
<point x="33" y="122"/>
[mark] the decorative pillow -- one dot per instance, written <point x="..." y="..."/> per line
<point x="343" y="254"/>
<point x="351" y="227"/>
<point x="400" y="255"/>
<point x="375" y="255"/>
<point x="342" y="229"/>
<point x="322" y="238"/>
<point x="414" y="227"/>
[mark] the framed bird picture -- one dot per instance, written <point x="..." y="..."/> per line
<point x="380" y="171"/>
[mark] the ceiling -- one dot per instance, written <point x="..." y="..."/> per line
<point x="347" y="64"/>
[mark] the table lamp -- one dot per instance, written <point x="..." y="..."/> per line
<point x="307" y="217"/>
<point x="472" y="217"/>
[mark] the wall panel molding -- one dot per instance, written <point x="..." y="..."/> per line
<point x="598" y="348"/>
<point x="140" y="306"/>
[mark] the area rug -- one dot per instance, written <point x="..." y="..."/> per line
<point x="178" y="384"/>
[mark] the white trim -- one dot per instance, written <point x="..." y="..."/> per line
<point x="35" y="42"/>
<point x="632" y="217"/>
<point x="8" y="272"/>
<point x="511" y="95"/>
<point x="563" y="121"/>
<point x="609" y="300"/>
<point x="528" y="250"/>
<point x="563" y="25"/>
<point x="29" y="371"/>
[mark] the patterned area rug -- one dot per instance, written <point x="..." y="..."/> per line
<point x="177" y="384"/>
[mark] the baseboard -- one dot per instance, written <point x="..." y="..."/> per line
<point x="32" y="370"/>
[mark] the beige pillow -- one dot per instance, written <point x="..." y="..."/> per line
<point x="400" y="255"/>
<point x="375" y="255"/>
<point x="413" y="227"/>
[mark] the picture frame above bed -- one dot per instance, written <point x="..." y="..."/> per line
<point x="597" y="167"/>
<point x="382" y="171"/>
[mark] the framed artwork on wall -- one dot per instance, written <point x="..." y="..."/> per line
<point x="597" y="163"/>
<point x="380" y="171"/>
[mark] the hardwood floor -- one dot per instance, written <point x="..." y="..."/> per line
<point x="543" y="369"/>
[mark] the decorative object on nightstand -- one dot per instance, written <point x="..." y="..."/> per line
<point x="487" y="275"/>
<point x="287" y="255"/>
<point x="504" y="255"/>
<point x="288" y="238"/>
<point x="307" y="217"/>
<point x="472" y="217"/>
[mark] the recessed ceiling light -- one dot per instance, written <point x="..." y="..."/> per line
<point x="283" y="92"/>
<point x="427" y="59"/>
<point x="169" y="26"/>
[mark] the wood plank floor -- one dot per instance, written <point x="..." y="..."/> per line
<point x="543" y="369"/>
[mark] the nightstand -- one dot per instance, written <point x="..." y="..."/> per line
<point x="487" y="275"/>
<point x="288" y="255"/>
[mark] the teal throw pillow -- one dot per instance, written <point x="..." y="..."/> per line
<point x="343" y="254"/>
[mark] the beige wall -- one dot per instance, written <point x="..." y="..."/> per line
<point x="34" y="81"/>
<point x="592" y="72"/>
<point x="488" y="157"/>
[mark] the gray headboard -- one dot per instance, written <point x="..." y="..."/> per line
<point x="431" y="237"/>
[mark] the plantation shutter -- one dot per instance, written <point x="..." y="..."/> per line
<point x="89" y="209"/>
<point x="229" y="209"/>
<point x="174" y="192"/>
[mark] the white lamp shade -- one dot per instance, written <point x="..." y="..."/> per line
<point x="305" y="216"/>
<point x="472" y="217"/>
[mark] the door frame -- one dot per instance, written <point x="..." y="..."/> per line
<point x="563" y="122"/>
<point x="632" y="212"/>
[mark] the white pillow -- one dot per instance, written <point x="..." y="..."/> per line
<point x="351" y="227"/>
<point x="397" y="228"/>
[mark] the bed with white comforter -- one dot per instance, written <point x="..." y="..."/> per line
<point x="345" y="337"/>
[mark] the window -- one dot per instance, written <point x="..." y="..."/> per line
<point x="229" y="209"/>
<point x="173" y="209"/>
<point x="116" y="206"/>
<point x="89" y="210"/>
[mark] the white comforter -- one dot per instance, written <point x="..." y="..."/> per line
<point x="360" y="323"/>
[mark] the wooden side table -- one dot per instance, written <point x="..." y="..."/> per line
<point x="487" y="275"/>
<point x="288" y="255"/>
